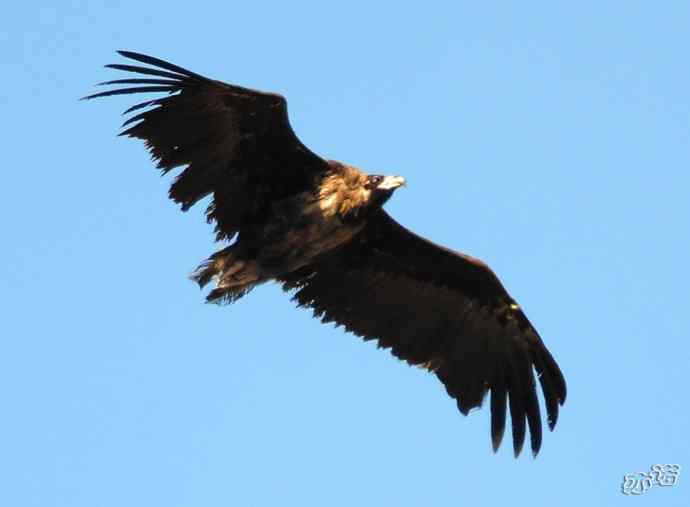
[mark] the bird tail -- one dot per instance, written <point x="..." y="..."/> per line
<point x="233" y="275"/>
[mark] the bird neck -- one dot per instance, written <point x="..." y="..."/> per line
<point x="343" y="193"/>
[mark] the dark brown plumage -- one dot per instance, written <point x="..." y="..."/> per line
<point x="318" y="228"/>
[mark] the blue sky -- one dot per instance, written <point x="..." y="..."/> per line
<point x="550" y="141"/>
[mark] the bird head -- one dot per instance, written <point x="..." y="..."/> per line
<point x="382" y="187"/>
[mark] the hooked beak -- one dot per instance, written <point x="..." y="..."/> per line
<point x="392" y="182"/>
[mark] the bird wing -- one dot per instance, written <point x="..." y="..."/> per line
<point x="234" y="142"/>
<point x="441" y="310"/>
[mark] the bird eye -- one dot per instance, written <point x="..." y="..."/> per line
<point x="373" y="181"/>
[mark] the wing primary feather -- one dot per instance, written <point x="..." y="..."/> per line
<point x="154" y="102"/>
<point x="517" y="409"/>
<point x="533" y="419"/>
<point x="548" y="387"/>
<point x="135" y="118"/>
<point x="179" y="73"/>
<point x="142" y="81"/>
<point x="498" y="413"/>
<point x="136" y="89"/>
<point x="524" y="381"/>
<point x="144" y="70"/>
<point x="557" y="375"/>
<point x="157" y="62"/>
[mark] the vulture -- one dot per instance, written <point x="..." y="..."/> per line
<point x="318" y="228"/>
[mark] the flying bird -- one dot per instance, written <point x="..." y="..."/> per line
<point x="318" y="228"/>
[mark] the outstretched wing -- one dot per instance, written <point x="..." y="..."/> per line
<point x="235" y="143"/>
<point x="441" y="310"/>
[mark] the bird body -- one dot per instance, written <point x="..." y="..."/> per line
<point x="298" y="231"/>
<point x="318" y="228"/>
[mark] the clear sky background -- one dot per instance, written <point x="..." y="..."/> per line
<point x="551" y="141"/>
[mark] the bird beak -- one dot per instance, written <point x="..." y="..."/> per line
<point x="392" y="182"/>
